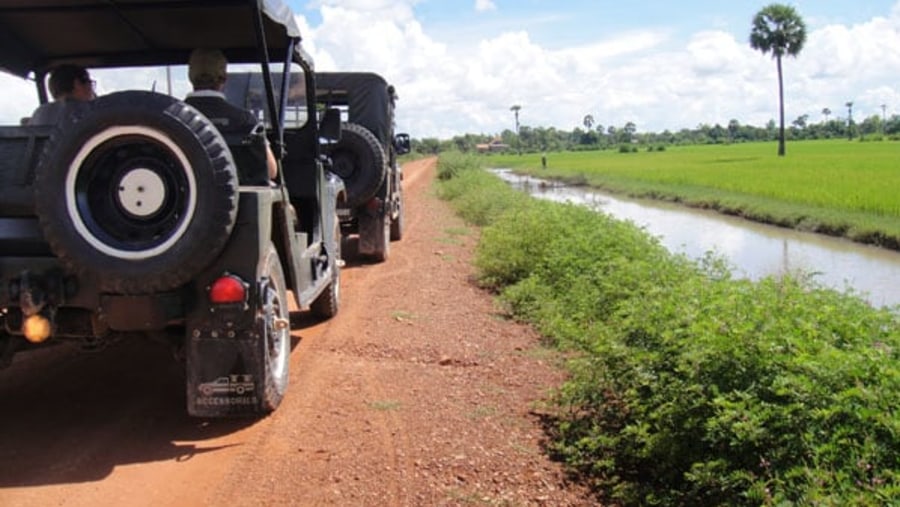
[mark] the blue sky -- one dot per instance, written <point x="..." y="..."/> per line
<point x="459" y="65"/>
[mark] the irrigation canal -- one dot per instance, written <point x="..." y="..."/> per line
<point x="754" y="250"/>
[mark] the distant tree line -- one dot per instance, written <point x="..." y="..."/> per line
<point x="602" y="137"/>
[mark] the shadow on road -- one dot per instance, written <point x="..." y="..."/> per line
<point x="70" y="417"/>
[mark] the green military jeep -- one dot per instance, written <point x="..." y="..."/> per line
<point x="365" y="156"/>
<point x="135" y="217"/>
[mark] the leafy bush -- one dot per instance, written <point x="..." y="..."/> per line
<point x="689" y="387"/>
<point x="716" y="391"/>
<point x="451" y="164"/>
<point x="477" y="196"/>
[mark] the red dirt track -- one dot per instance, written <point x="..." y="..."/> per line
<point x="417" y="393"/>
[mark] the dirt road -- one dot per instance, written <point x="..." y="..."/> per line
<point x="417" y="393"/>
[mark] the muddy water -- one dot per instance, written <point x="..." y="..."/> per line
<point x="755" y="250"/>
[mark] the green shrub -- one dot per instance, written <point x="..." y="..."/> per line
<point x="689" y="387"/>
<point x="451" y="164"/>
<point x="475" y="194"/>
<point x="730" y="392"/>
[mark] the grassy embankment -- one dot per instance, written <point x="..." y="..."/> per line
<point x="834" y="187"/>
<point x="689" y="387"/>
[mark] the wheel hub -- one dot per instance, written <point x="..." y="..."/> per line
<point x="142" y="192"/>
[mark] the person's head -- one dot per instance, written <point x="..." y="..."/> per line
<point x="207" y="69"/>
<point x="71" y="82"/>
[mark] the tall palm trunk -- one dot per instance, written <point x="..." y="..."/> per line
<point x="780" y="108"/>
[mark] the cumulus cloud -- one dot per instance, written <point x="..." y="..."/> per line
<point x="485" y="5"/>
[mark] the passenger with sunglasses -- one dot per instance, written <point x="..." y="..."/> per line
<point x="71" y="87"/>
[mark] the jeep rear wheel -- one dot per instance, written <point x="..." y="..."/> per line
<point x="326" y="305"/>
<point x="397" y="224"/>
<point x="359" y="160"/>
<point x="139" y="193"/>
<point x="273" y="323"/>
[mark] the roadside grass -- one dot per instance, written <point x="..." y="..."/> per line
<point x="450" y="240"/>
<point x="689" y="387"/>
<point x="403" y="316"/>
<point x="457" y="231"/>
<point x="482" y="412"/>
<point x="458" y="496"/>
<point x="834" y="187"/>
<point x="385" y="405"/>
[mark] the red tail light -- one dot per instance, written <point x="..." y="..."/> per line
<point x="228" y="289"/>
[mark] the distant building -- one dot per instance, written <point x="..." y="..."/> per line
<point x="494" y="146"/>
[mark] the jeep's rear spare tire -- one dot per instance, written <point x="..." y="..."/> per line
<point x="139" y="192"/>
<point x="359" y="160"/>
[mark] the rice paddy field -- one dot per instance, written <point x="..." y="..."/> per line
<point x="835" y="187"/>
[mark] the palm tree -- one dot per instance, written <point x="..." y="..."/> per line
<point x="515" y="109"/>
<point x="733" y="127"/>
<point x="780" y="29"/>
<point x="826" y="113"/>
<point x="630" y="128"/>
<point x="588" y="121"/>
<point x="849" y="120"/>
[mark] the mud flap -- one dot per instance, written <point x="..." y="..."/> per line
<point x="374" y="236"/>
<point x="224" y="376"/>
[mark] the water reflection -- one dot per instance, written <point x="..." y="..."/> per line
<point x="756" y="250"/>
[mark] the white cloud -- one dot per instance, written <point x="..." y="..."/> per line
<point x="485" y="5"/>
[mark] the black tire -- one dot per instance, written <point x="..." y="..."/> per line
<point x="274" y="330"/>
<point x="139" y="192"/>
<point x="359" y="160"/>
<point x="397" y="224"/>
<point x="327" y="304"/>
